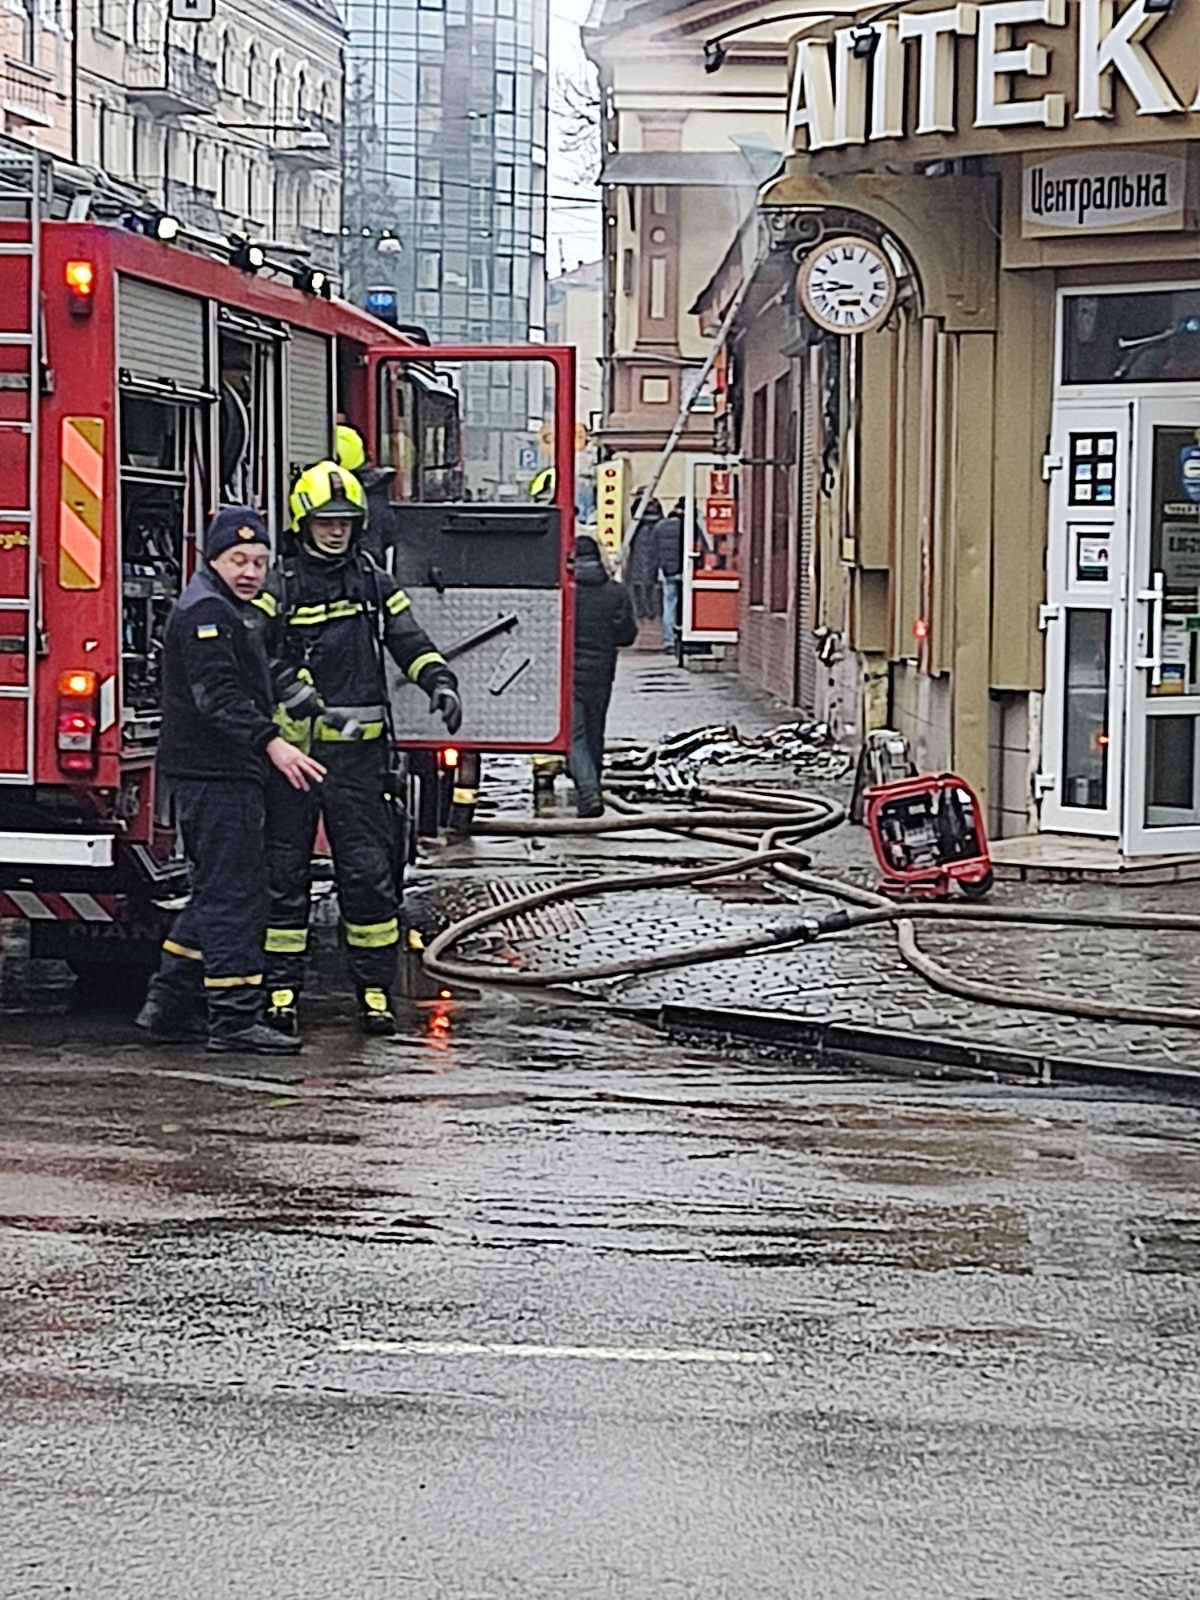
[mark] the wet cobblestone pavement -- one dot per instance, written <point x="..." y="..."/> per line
<point x="860" y="980"/>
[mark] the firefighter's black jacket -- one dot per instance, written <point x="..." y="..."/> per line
<point x="331" y="616"/>
<point x="217" y="698"/>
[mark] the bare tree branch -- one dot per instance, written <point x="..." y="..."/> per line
<point x="576" y="109"/>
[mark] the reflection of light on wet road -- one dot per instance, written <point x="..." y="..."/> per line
<point x="439" y="1021"/>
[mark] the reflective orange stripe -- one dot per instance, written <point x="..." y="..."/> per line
<point x="81" y="511"/>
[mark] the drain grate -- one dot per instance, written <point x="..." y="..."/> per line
<point x="546" y="922"/>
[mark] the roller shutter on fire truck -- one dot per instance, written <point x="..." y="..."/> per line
<point x="160" y="336"/>
<point x="309" y="391"/>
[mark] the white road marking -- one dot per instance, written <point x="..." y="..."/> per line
<point x="556" y="1352"/>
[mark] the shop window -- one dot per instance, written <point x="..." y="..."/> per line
<point x="758" y="493"/>
<point x="1132" y="338"/>
<point x="781" y="478"/>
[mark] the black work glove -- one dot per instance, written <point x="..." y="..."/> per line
<point x="445" y="701"/>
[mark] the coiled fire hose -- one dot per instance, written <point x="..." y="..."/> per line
<point x="767" y="828"/>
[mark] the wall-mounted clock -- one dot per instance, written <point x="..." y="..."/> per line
<point x="847" y="285"/>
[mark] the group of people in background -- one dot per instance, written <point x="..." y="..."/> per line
<point x="654" y="567"/>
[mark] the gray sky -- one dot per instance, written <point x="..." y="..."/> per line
<point x="576" y="228"/>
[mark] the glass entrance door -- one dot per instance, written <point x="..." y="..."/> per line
<point x="1162" y="789"/>
<point x="1084" y="620"/>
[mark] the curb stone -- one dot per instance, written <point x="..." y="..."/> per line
<point x="841" y="1047"/>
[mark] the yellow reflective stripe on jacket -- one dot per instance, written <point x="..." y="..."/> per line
<point x="372" y="935"/>
<point x="299" y="733"/>
<point x="398" y="602"/>
<point x="183" y="950"/>
<point x="251" y="980"/>
<point x="266" y="602"/>
<point x="327" y="735"/>
<point x="311" y="616"/>
<point x="465" y="797"/>
<point x="431" y="658"/>
<point x="286" y="941"/>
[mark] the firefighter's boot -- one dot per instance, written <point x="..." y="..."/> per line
<point x="165" y="1024"/>
<point x="375" y="1014"/>
<point x="283" y="1013"/>
<point x="254" y="1040"/>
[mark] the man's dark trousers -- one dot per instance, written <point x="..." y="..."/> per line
<point x="215" y="946"/>
<point x="586" y="761"/>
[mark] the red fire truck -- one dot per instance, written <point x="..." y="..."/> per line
<point x="146" y="377"/>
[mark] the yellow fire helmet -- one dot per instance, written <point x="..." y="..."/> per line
<point x="327" y="489"/>
<point x="350" y="450"/>
<point x="541" y="487"/>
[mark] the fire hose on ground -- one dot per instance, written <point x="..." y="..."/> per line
<point x="767" y="827"/>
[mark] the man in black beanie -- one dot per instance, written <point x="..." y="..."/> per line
<point x="218" y="737"/>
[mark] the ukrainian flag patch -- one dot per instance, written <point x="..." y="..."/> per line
<point x="207" y="630"/>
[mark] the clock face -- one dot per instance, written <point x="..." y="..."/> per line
<point x="847" y="285"/>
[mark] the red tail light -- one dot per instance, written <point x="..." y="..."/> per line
<point x="449" y="758"/>
<point x="78" y="723"/>
<point x="81" y="287"/>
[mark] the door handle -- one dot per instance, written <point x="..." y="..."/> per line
<point x="1154" y="597"/>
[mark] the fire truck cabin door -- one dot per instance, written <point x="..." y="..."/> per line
<point x="470" y="482"/>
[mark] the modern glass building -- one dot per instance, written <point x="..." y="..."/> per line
<point x="445" y="191"/>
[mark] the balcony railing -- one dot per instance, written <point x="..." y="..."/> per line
<point x="25" y="92"/>
<point x="318" y="148"/>
<point x="175" y="83"/>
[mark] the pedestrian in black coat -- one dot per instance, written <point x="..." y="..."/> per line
<point x="641" y="565"/>
<point x="604" y="622"/>
<point x="668" y="546"/>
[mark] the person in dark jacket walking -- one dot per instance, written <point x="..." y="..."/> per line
<point x="332" y="614"/>
<point x="604" y="622"/>
<point x="668" y="545"/>
<point x="641" y="564"/>
<point x="218" y="739"/>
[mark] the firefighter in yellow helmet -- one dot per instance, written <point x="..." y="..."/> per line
<point x="331" y="615"/>
<point x="541" y="485"/>
<point x="349" y="448"/>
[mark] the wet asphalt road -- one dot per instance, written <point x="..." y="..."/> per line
<point x="372" y="1332"/>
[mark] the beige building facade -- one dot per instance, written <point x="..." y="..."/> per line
<point x="1007" y="522"/>
<point x="684" y="154"/>
<point x="234" y="124"/>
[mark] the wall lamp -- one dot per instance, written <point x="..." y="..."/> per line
<point x="714" y="48"/>
<point x="863" y="37"/>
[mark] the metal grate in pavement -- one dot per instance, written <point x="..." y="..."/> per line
<point x="547" y="922"/>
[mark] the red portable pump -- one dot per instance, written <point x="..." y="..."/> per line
<point x="927" y="834"/>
